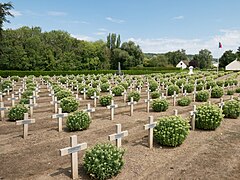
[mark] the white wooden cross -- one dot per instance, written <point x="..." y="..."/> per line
<point x="25" y="123"/>
<point x="118" y="135"/>
<point x="131" y="103"/>
<point x="162" y="96"/>
<point x="77" y="88"/>
<point x="1" y="96"/>
<point x="84" y="91"/>
<point x="2" y="109"/>
<point x="60" y="117"/>
<point x="73" y="150"/>
<point x="163" y="85"/>
<point x="148" y="92"/>
<point x="8" y="90"/>
<point x="140" y="88"/>
<point x="147" y="101"/>
<point x="78" y="98"/>
<point x="193" y="114"/>
<point x="166" y="90"/>
<point x="185" y="93"/>
<point x="174" y="98"/>
<point x="194" y="92"/>
<point x="55" y="102"/>
<point x="221" y="104"/>
<point x="19" y="93"/>
<point x="182" y="86"/>
<point x="124" y="95"/>
<point x="95" y="97"/>
<point x="31" y="106"/>
<point x="13" y="99"/>
<point x="89" y="109"/>
<point x="34" y="97"/>
<point x="210" y="91"/>
<point x="175" y="112"/>
<point x="150" y="127"/>
<point x="112" y="107"/>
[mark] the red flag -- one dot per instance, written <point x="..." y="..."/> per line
<point x="220" y="45"/>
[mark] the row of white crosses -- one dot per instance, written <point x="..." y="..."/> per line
<point x="117" y="137"/>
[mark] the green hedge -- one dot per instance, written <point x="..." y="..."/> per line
<point x="64" y="73"/>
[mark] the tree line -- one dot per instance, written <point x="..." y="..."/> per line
<point x="28" y="48"/>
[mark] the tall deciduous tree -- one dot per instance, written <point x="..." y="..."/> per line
<point x="4" y="12"/>
<point x="176" y="56"/>
<point x="227" y="57"/>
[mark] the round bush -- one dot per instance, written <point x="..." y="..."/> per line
<point x="135" y="95"/>
<point x="91" y="91"/>
<point x="160" y="105"/>
<point x="24" y="101"/>
<point x="208" y="117"/>
<point x="199" y="87"/>
<point x="184" y="101"/>
<point x="105" y="100"/>
<point x="173" y="88"/>
<point x="26" y="94"/>
<point x="63" y="94"/>
<point x="231" y="109"/>
<point x="69" y="104"/>
<point x="217" y="92"/>
<point x="103" y="161"/>
<point x="189" y="88"/>
<point x="124" y="84"/>
<point x="237" y="90"/>
<point x="118" y="90"/>
<point x="202" y="96"/>
<point x="78" y="121"/>
<point x="17" y="112"/>
<point x="153" y="85"/>
<point x="230" y="92"/>
<point x="171" y="131"/>
<point x="104" y="87"/>
<point x="155" y="95"/>
<point x="15" y="78"/>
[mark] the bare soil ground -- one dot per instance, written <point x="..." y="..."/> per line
<point x="204" y="154"/>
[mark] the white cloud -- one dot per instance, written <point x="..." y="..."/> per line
<point x="119" y="21"/>
<point x="230" y="40"/>
<point x="56" y="13"/>
<point x="83" y="37"/>
<point x="178" y="17"/>
<point x="103" y="29"/>
<point x="15" y="13"/>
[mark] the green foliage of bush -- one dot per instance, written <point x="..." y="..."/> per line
<point x="230" y="92"/>
<point x="24" y="101"/>
<point x="105" y="100"/>
<point x="91" y="91"/>
<point x="199" y="87"/>
<point x="217" y="92"/>
<point x="189" y="88"/>
<point x="14" y="78"/>
<point x="124" y="84"/>
<point x="184" y="101"/>
<point x="63" y="94"/>
<point x="69" y="104"/>
<point x="118" y="90"/>
<point x="173" y="88"/>
<point x="26" y="94"/>
<point x="104" y="87"/>
<point x="17" y="112"/>
<point x="5" y="84"/>
<point x="104" y="80"/>
<point x="208" y="117"/>
<point x="231" y="109"/>
<point x="160" y="105"/>
<point x="135" y="95"/>
<point x="103" y="161"/>
<point x="171" y="131"/>
<point x="155" y="94"/>
<point x="211" y="84"/>
<point x="202" y="96"/>
<point x="153" y="85"/>
<point x="78" y="121"/>
<point x="237" y="90"/>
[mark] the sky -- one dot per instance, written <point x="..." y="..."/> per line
<point x="158" y="26"/>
